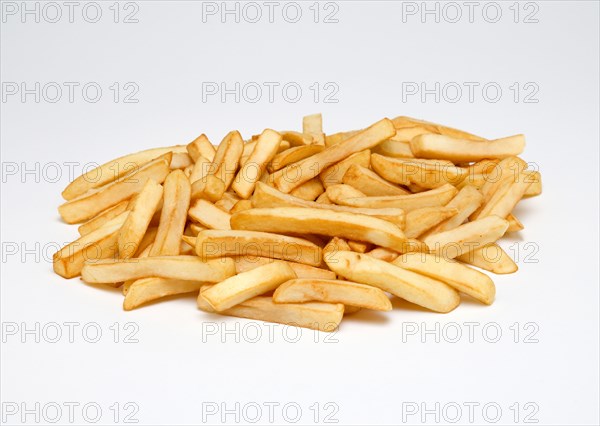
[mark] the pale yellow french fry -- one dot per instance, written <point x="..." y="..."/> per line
<point x="101" y="218"/>
<point x="245" y="286"/>
<point x="250" y="173"/>
<point x="209" y="215"/>
<point x="98" y="244"/>
<point x="359" y="247"/>
<point x="370" y="183"/>
<point x="536" y="183"/>
<point x="129" y="283"/>
<point x="115" y="169"/>
<point x="227" y="157"/>
<point x="201" y="147"/>
<point x="135" y="226"/>
<point x="514" y="224"/>
<point x="466" y="202"/>
<point x="241" y="206"/>
<point x="337" y="193"/>
<point x="313" y="315"/>
<point x="403" y="122"/>
<point x="504" y="199"/>
<point x="425" y="173"/>
<point x="460" y="150"/>
<point x="335" y="138"/>
<point x="321" y="222"/>
<point x="266" y="196"/>
<point x="395" y="149"/>
<point x="95" y="201"/>
<point x="483" y="166"/>
<point x="215" y="243"/>
<point x="147" y="241"/>
<point x="293" y="155"/>
<point x="209" y="188"/>
<point x="313" y="125"/>
<point x="383" y="253"/>
<point x="323" y="199"/>
<point x="416" y="288"/>
<point x="332" y="291"/>
<point x="491" y="258"/>
<point x="176" y="202"/>
<point x="297" y="138"/>
<point x="475" y="180"/>
<point x="189" y="268"/>
<point x="309" y="190"/>
<point x="334" y="174"/>
<point x="420" y="220"/>
<point x="298" y="173"/>
<point x="200" y="169"/>
<point x="431" y="198"/>
<point x="181" y="161"/>
<point x="455" y="274"/>
<point x="302" y="270"/>
<point x="336" y="244"/>
<point x="148" y="289"/>
<point x="467" y="237"/>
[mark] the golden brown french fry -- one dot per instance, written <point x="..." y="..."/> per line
<point x="455" y="274"/>
<point x="323" y="199"/>
<point x="227" y="157"/>
<point x="146" y="290"/>
<point x="296" y="138"/>
<point x="466" y="202"/>
<point x="394" y="148"/>
<point x="101" y="218"/>
<point x="336" y="244"/>
<point x="467" y="237"/>
<point x="134" y="228"/>
<point x="209" y="187"/>
<point x="483" y="166"/>
<point x="383" y="253"/>
<point x="431" y="198"/>
<point x="349" y="309"/>
<point x="93" y="202"/>
<point x="250" y="173"/>
<point x="358" y="246"/>
<point x="245" y="286"/>
<point x="98" y="244"/>
<point x="115" y="169"/>
<point x="147" y="241"/>
<point x="403" y="122"/>
<point x="293" y="155"/>
<point x="314" y="315"/>
<point x="321" y="222"/>
<point x="536" y="183"/>
<point x="339" y="137"/>
<point x="514" y="224"/>
<point x="460" y="150"/>
<point x="332" y="291"/>
<point x="419" y="221"/>
<point x="181" y="161"/>
<point x="370" y="183"/>
<point x="209" y="215"/>
<point x="308" y="191"/>
<point x="337" y="193"/>
<point x="266" y="196"/>
<point x="504" y="199"/>
<point x="419" y="289"/>
<point x="241" y="206"/>
<point x="425" y="173"/>
<point x="298" y="173"/>
<point x="189" y="268"/>
<point x="302" y="270"/>
<point x="201" y="147"/>
<point x="200" y="169"/>
<point x="215" y="243"/>
<point x="313" y="125"/>
<point x="176" y="201"/>
<point x="491" y="258"/>
<point x="334" y="174"/>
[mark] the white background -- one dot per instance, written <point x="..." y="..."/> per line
<point x="372" y="370"/>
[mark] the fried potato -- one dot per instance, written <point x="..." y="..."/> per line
<point x="384" y="254"/>
<point x="514" y="224"/>
<point x="298" y="173"/>
<point x="339" y="137"/>
<point x="227" y="158"/>
<point x="302" y="270"/>
<point x="336" y="244"/>
<point x="358" y="246"/>
<point x="101" y="218"/>
<point x="134" y="228"/>
<point x="420" y="220"/>
<point x="98" y="244"/>
<point x="245" y="286"/>
<point x="455" y="274"/>
<point x="189" y="268"/>
<point x="297" y="138"/>
<point x="337" y="193"/>
<point x="209" y="215"/>
<point x="504" y="199"/>
<point x="491" y="258"/>
<point x="313" y="125"/>
<point x="460" y="150"/>
<point x="370" y="183"/>
<point x="293" y="155"/>
<point x="209" y="188"/>
<point x="241" y="206"/>
<point x="215" y="243"/>
<point x="323" y="199"/>
<point x="394" y="148"/>
<point x="309" y="190"/>
<point x="321" y="222"/>
<point x="200" y="169"/>
<point x="334" y="174"/>
<point x="425" y="173"/>
<point x="146" y="290"/>
<point x="96" y="200"/>
<point x="419" y="289"/>
<point x="466" y="202"/>
<point x="402" y="122"/>
<point x="201" y="147"/>
<point x="332" y="291"/>
<point x="535" y="178"/>
<point x="467" y="237"/>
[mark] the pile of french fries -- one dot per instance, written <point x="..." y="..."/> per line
<point x="301" y="228"/>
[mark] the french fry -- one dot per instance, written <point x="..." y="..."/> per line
<point x="293" y="155"/>
<point x="134" y="228"/>
<point x="425" y="173"/>
<point x="384" y="254"/>
<point x="176" y="202"/>
<point x="403" y="122"/>
<point x="247" y="263"/>
<point x="189" y="268"/>
<point x="298" y="173"/>
<point x="420" y="220"/>
<point x="336" y="244"/>
<point x="96" y="200"/>
<point x="358" y="246"/>
<point x="455" y="274"/>
<point x="101" y="218"/>
<point x="536" y="183"/>
<point x="323" y="199"/>
<point x="115" y="169"/>
<point x="504" y="199"/>
<point x="431" y="198"/>
<point x="201" y="147"/>
<point x="370" y="183"/>
<point x="491" y="258"/>
<point x="98" y="244"/>
<point x="227" y="158"/>
<point x="419" y="289"/>
<point x="335" y="138"/>
<point x="209" y="188"/>
<point x="245" y="286"/>
<point x="334" y="174"/>
<point x="309" y="190"/>
<point x="250" y="173"/>
<point x="337" y="193"/>
<point x="214" y="243"/>
<point x="149" y="289"/>
<point x="394" y="148"/>
<point x="297" y="138"/>
<point x="467" y="237"/>
<point x="147" y="241"/>
<point x="209" y="215"/>
<point x="514" y="224"/>
<point x="332" y="291"/>
<point x="200" y="170"/>
<point x="313" y="125"/>
<point x="460" y="150"/>
<point x="180" y="161"/>
<point x="241" y="206"/>
<point x="466" y="202"/>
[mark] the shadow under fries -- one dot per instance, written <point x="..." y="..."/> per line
<point x="367" y="315"/>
